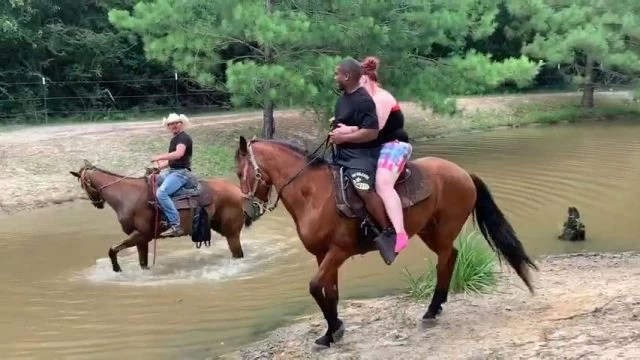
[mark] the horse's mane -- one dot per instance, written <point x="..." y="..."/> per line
<point x="313" y="160"/>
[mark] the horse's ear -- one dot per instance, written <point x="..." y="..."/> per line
<point x="243" y="146"/>
<point x="74" y="174"/>
<point x="87" y="163"/>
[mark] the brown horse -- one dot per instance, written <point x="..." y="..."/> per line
<point x="129" y="197"/>
<point x="307" y="186"/>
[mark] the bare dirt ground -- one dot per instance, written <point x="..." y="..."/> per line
<point x="36" y="160"/>
<point x="586" y="306"/>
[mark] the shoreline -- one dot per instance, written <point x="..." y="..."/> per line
<point x="37" y="177"/>
<point x="565" y="318"/>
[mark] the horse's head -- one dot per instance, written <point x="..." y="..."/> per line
<point x="255" y="184"/>
<point x="84" y="176"/>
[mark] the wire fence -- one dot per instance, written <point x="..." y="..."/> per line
<point x="46" y="100"/>
<point x="92" y="100"/>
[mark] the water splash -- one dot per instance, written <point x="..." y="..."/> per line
<point x="177" y="264"/>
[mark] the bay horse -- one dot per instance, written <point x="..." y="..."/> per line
<point x="129" y="197"/>
<point x="307" y="187"/>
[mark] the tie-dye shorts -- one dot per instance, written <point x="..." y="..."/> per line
<point x="394" y="155"/>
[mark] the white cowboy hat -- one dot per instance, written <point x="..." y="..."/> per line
<point x="173" y="117"/>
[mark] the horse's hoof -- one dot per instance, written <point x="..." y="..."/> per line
<point x="144" y="267"/>
<point x="322" y="343"/>
<point x="338" y="334"/>
<point x="117" y="269"/>
<point x="429" y="318"/>
<point x="428" y="322"/>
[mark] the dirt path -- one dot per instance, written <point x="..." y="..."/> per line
<point x="587" y="306"/>
<point x="37" y="160"/>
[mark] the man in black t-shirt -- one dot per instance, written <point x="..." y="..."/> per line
<point x="358" y="151"/>
<point x="177" y="174"/>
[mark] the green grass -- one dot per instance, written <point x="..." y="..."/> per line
<point x="552" y="111"/>
<point x="474" y="273"/>
<point x="213" y="160"/>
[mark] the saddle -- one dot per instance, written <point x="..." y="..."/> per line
<point x="412" y="187"/>
<point x="194" y="196"/>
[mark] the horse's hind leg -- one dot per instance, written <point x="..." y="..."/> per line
<point x="235" y="246"/>
<point x="132" y="240"/>
<point x="231" y="232"/>
<point x="439" y="238"/>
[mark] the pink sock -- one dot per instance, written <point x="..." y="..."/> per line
<point x="402" y="240"/>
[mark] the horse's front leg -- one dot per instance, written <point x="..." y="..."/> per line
<point x="143" y="253"/>
<point x="133" y="239"/>
<point x="324" y="289"/>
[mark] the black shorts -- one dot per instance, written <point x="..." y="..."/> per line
<point x="362" y="180"/>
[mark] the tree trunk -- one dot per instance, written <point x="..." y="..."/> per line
<point x="268" y="124"/>
<point x="589" y="87"/>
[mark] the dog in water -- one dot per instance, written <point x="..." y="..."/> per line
<point x="573" y="228"/>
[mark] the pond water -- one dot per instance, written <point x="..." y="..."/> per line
<point x="60" y="298"/>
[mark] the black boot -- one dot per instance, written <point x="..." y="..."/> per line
<point x="386" y="244"/>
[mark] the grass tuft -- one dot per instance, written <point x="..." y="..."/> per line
<point x="474" y="273"/>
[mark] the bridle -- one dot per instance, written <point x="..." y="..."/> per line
<point x="86" y="184"/>
<point x="258" y="206"/>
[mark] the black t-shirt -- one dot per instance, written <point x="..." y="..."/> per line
<point x="357" y="109"/>
<point x="185" y="161"/>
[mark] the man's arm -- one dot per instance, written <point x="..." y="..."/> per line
<point x="360" y="136"/>
<point x="368" y="123"/>
<point x="174" y="155"/>
<point x="162" y="164"/>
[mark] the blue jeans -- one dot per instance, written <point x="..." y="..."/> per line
<point x="170" y="182"/>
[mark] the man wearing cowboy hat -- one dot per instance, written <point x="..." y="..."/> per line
<point x="178" y="161"/>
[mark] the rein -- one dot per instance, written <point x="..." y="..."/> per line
<point x="262" y="205"/>
<point x="85" y="182"/>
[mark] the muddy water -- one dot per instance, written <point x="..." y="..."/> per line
<point x="60" y="299"/>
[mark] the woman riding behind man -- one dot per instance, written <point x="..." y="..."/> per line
<point x="394" y="154"/>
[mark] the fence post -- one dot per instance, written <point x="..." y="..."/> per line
<point x="175" y="75"/>
<point x="44" y="93"/>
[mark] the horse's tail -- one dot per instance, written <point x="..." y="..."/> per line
<point x="498" y="232"/>
<point x="247" y="219"/>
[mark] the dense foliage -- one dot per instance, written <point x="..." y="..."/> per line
<point x="103" y="57"/>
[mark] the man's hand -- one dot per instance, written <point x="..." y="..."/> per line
<point x="337" y="138"/>
<point x="157" y="158"/>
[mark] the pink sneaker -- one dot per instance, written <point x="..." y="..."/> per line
<point x="402" y="240"/>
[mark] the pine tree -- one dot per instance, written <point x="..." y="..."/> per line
<point x="592" y="39"/>
<point x="283" y="53"/>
